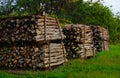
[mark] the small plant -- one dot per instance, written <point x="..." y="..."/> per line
<point x="5" y="50"/>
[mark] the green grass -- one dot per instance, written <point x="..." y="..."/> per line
<point x="104" y="65"/>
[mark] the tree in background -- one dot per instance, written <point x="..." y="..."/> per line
<point x="6" y="7"/>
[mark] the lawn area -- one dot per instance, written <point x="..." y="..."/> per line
<point x="104" y="65"/>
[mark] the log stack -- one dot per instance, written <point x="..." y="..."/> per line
<point x="72" y="41"/>
<point x="88" y="49"/>
<point x="32" y="56"/>
<point x="104" y="35"/>
<point x="79" y="41"/>
<point x="31" y="42"/>
<point x="84" y="41"/>
<point x="97" y="38"/>
<point x="100" y="38"/>
<point x="32" y="28"/>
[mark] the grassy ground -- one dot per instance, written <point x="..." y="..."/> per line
<point x="104" y="65"/>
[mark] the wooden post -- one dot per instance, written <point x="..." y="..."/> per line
<point x="84" y="44"/>
<point x="103" y="41"/>
<point x="49" y="55"/>
<point x="47" y="41"/>
<point x="61" y="39"/>
<point x="45" y="28"/>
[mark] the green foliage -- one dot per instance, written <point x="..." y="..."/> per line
<point x="104" y="65"/>
<point x="5" y="49"/>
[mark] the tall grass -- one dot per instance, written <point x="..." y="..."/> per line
<point x="104" y="65"/>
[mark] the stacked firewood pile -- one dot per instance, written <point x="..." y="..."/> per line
<point x="79" y="41"/>
<point x="97" y="38"/>
<point x="84" y="41"/>
<point x="29" y="29"/>
<point x="104" y="35"/>
<point x="72" y="41"/>
<point x="88" y="48"/>
<point x="32" y="56"/>
<point x="100" y="38"/>
<point x="31" y="42"/>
